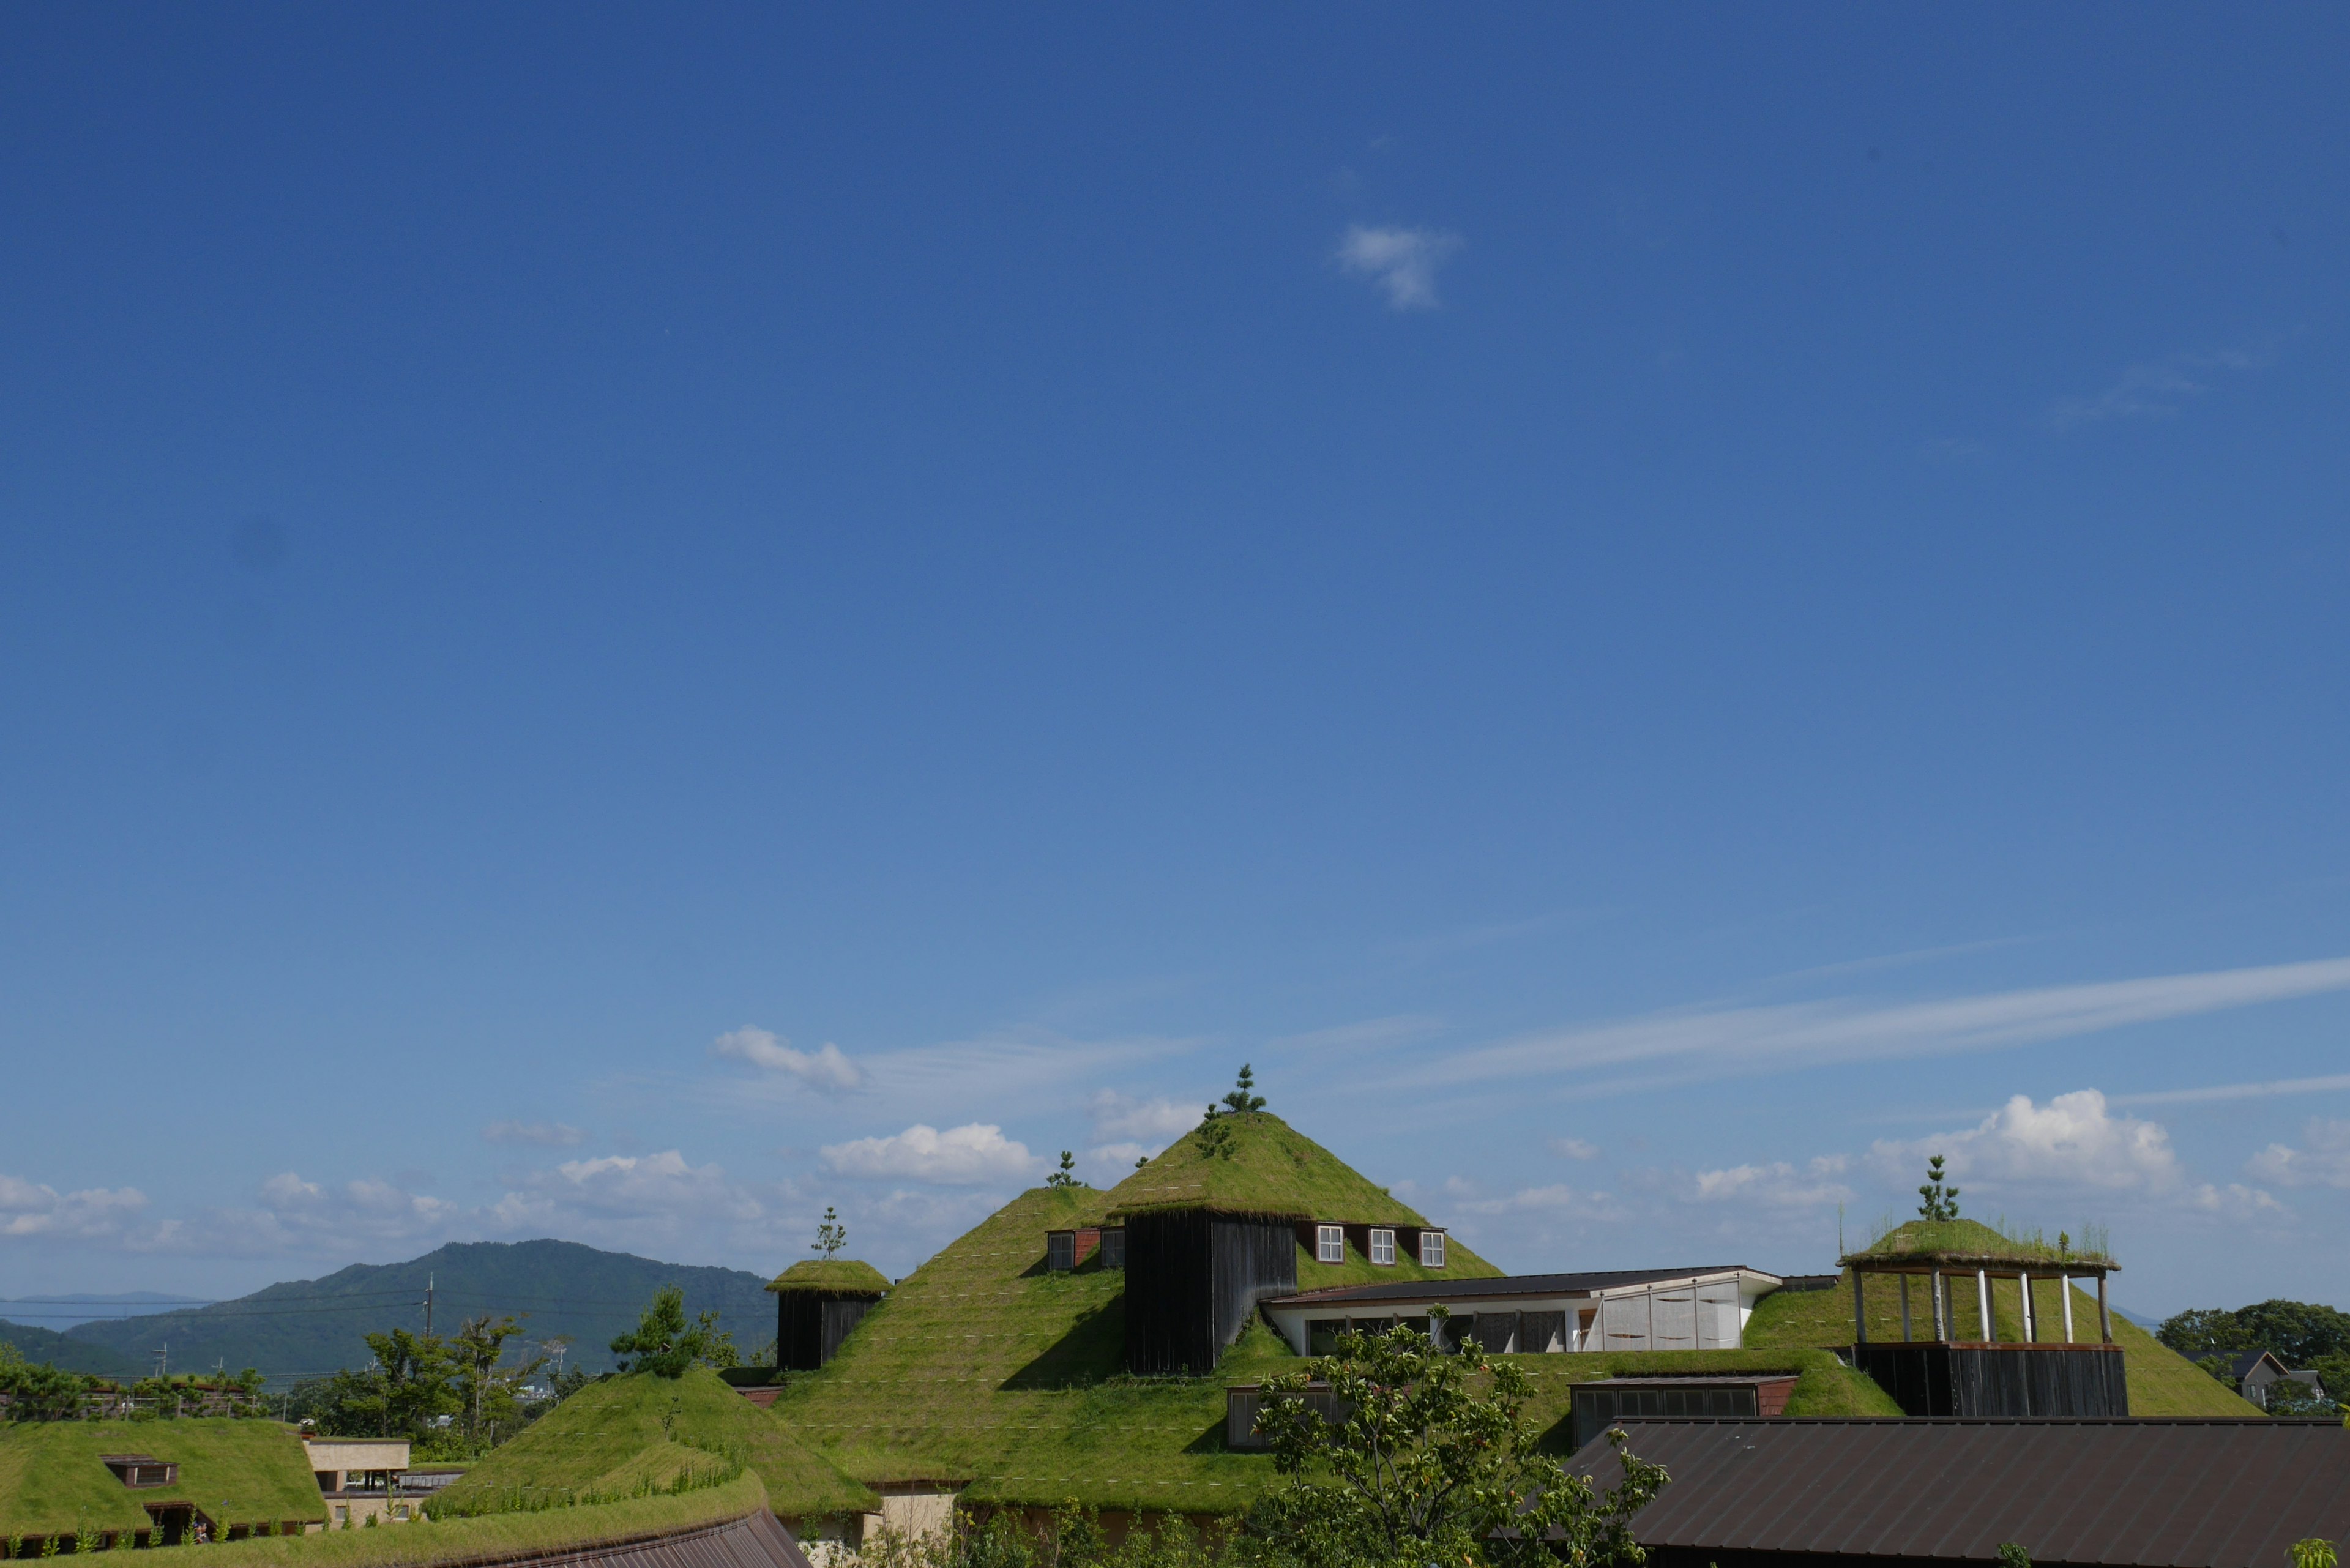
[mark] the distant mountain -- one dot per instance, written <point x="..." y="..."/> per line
<point x="310" y="1328"/>
<point x="48" y="1345"/>
<point x="61" y="1312"/>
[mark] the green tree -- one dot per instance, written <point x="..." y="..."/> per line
<point x="409" y="1385"/>
<point x="831" y="1235"/>
<point x="664" y="1344"/>
<point x="1245" y="1098"/>
<point x="1067" y="1175"/>
<point x="1429" y="1457"/>
<point x="1940" y="1202"/>
<point x="487" y="1389"/>
<point x="2299" y="1334"/>
<point x="39" y="1390"/>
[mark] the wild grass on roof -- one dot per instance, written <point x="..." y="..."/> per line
<point x="639" y="1428"/>
<point x="1262" y="1166"/>
<point x="1972" y="1244"/>
<point x="237" y="1472"/>
<point x="2161" y="1381"/>
<point x="842" y="1276"/>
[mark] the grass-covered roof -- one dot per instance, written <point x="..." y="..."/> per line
<point x="616" y="1432"/>
<point x="1972" y="1244"/>
<point x="235" y="1471"/>
<point x="831" y="1277"/>
<point x="1258" y="1165"/>
<point x="2161" y="1381"/>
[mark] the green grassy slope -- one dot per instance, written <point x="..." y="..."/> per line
<point x="610" y="1434"/>
<point x="567" y="1289"/>
<point x="2161" y="1381"/>
<point x="497" y="1537"/>
<point x="1273" y="1168"/>
<point x="237" y="1472"/>
<point x="981" y="1367"/>
<point x="48" y="1345"/>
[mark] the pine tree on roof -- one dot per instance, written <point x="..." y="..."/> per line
<point x="1942" y="1203"/>
<point x="831" y="1235"/>
<point x="1245" y="1098"/>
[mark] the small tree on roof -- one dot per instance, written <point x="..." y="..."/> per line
<point x="1940" y="1202"/>
<point x="1244" y="1097"/>
<point x="1067" y="1175"/>
<point x="831" y="1235"/>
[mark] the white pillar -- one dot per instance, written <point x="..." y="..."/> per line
<point x="2024" y="1290"/>
<point x="2065" y="1283"/>
<point x="1983" y="1305"/>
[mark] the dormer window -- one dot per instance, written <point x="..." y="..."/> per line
<point x="1060" y="1250"/>
<point x="1383" y="1248"/>
<point x="1329" y="1244"/>
<point x="1431" y="1249"/>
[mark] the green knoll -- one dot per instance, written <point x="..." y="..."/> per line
<point x="234" y="1472"/>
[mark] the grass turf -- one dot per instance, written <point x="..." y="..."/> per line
<point x="234" y="1472"/>
<point x="615" y="1433"/>
<point x="830" y="1274"/>
<point x="497" y="1536"/>
<point x="2161" y="1381"/>
<point x="1267" y="1166"/>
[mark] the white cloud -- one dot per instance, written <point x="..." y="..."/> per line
<point x="1573" y="1149"/>
<point x="1401" y="261"/>
<point x="1160" y="1119"/>
<point x="1778" y="1184"/>
<point x="1557" y="1198"/>
<point x="827" y="1067"/>
<point x="543" y="1135"/>
<point x="2235" y="1091"/>
<point x="2157" y="390"/>
<point x="35" y="1209"/>
<point x="962" y="1156"/>
<point x="2075" y="1140"/>
<point x="1783" y="1036"/>
<point x="2323" y="1162"/>
<point x="1114" y="1162"/>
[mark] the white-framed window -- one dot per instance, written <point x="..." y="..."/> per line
<point x="1431" y="1249"/>
<point x="1383" y="1247"/>
<point x="1330" y="1245"/>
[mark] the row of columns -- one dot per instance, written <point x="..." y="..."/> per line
<point x="1940" y="1299"/>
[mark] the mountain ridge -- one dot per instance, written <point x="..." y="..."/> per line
<point x="311" y="1328"/>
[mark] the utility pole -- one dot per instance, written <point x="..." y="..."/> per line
<point x="428" y="1306"/>
<point x="164" y="1360"/>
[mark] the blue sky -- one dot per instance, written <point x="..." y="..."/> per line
<point x="625" y="626"/>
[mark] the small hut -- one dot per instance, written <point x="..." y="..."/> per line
<point x="2050" y="1368"/>
<point x="817" y="1302"/>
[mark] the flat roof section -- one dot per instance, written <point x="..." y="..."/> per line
<point x="1510" y="1285"/>
<point x="2162" y="1493"/>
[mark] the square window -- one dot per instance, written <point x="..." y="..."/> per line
<point x="1431" y="1249"/>
<point x="1383" y="1247"/>
<point x="1330" y="1245"/>
<point x="1060" y="1250"/>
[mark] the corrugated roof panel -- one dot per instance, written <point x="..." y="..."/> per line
<point x="2161" y="1493"/>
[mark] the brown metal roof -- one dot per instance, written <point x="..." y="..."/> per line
<point x="758" y="1540"/>
<point x="2162" y="1493"/>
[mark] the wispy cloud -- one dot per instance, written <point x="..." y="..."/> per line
<point x="2237" y="1091"/>
<point x="541" y="1135"/>
<point x="1776" y="1184"/>
<point x="1573" y="1149"/>
<point x="1401" y="262"/>
<point x="1777" y="1038"/>
<point x="1369" y="1034"/>
<point x="827" y="1067"/>
<point x="1118" y="1115"/>
<point x="2159" y="388"/>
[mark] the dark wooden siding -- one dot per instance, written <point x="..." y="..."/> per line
<point x="810" y="1327"/>
<point x="1192" y="1282"/>
<point x="1999" y="1379"/>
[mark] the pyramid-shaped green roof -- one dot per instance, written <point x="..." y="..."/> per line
<point x="1261" y="1166"/>
<point x="831" y="1277"/>
<point x="1972" y="1244"/>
